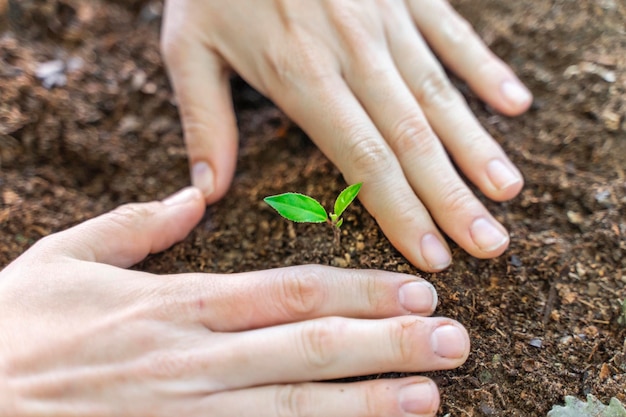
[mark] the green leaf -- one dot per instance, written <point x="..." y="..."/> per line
<point x="346" y="197"/>
<point x="297" y="207"/>
<point x="592" y="408"/>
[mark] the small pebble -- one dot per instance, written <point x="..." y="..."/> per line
<point x="593" y="289"/>
<point x="516" y="261"/>
<point x="340" y="262"/>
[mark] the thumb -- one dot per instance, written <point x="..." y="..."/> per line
<point x="129" y="233"/>
<point x="201" y="81"/>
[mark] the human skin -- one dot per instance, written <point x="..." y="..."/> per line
<point x="360" y="79"/>
<point x="82" y="336"/>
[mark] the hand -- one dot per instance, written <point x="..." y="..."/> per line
<point x="79" y="335"/>
<point x="359" y="78"/>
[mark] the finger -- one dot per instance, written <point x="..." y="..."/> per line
<point x="460" y="48"/>
<point x="478" y="155"/>
<point x="129" y="233"/>
<point x="424" y="160"/>
<point x="350" y="140"/>
<point x="201" y="82"/>
<point x="393" y="109"/>
<point x="331" y="348"/>
<point x="286" y="295"/>
<point x="414" y="396"/>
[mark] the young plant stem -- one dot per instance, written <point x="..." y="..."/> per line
<point x="335" y="222"/>
<point x="336" y="234"/>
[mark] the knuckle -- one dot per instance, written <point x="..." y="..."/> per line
<point x="196" y="130"/>
<point x="300" y="65"/>
<point x="402" y="340"/>
<point x="457" y="30"/>
<point x="349" y="19"/>
<point x="126" y="216"/>
<point x="465" y="29"/>
<point x="317" y="342"/>
<point x="411" y="135"/>
<point x="293" y="400"/>
<point x="405" y="213"/>
<point x="369" y="156"/>
<point x="435" y="90"/>
<point x="301" y="291"/>
<point x="374" y="289"/>
<point x="377" y="400"/>
<point x="47" y="248"/>
<point x="456" y="197"/>
<point x="477" y="143"/>
<point x="359" y="29"/>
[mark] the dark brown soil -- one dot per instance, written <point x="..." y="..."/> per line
<point x="542" y="317"/>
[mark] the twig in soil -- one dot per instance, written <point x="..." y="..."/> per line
<point x="550" y="303"/>
<point x="460" y="410"/>
<point x="552" y="293"/>
<point x="499" y="395"/>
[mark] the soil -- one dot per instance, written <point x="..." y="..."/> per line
<point x="98" y="127"/>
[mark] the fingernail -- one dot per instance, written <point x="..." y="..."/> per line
<point x="487" y="236"/>
<point x="501" y="175"/>
<point x="203" y="178"/>
<point x="435" y="254"/>
<point x="418" y="297"/>
<point x="420" y="398"/>
<point x="516" y="93"/>
<point x="448" y="341"/>
<point x="184" y="196"/>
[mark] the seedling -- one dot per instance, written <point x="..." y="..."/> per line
<point x="301" y="208"/>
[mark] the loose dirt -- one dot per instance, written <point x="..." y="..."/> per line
<point x="542" y="317"/>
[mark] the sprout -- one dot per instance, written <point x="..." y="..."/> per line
<point x="301" y="208"/>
